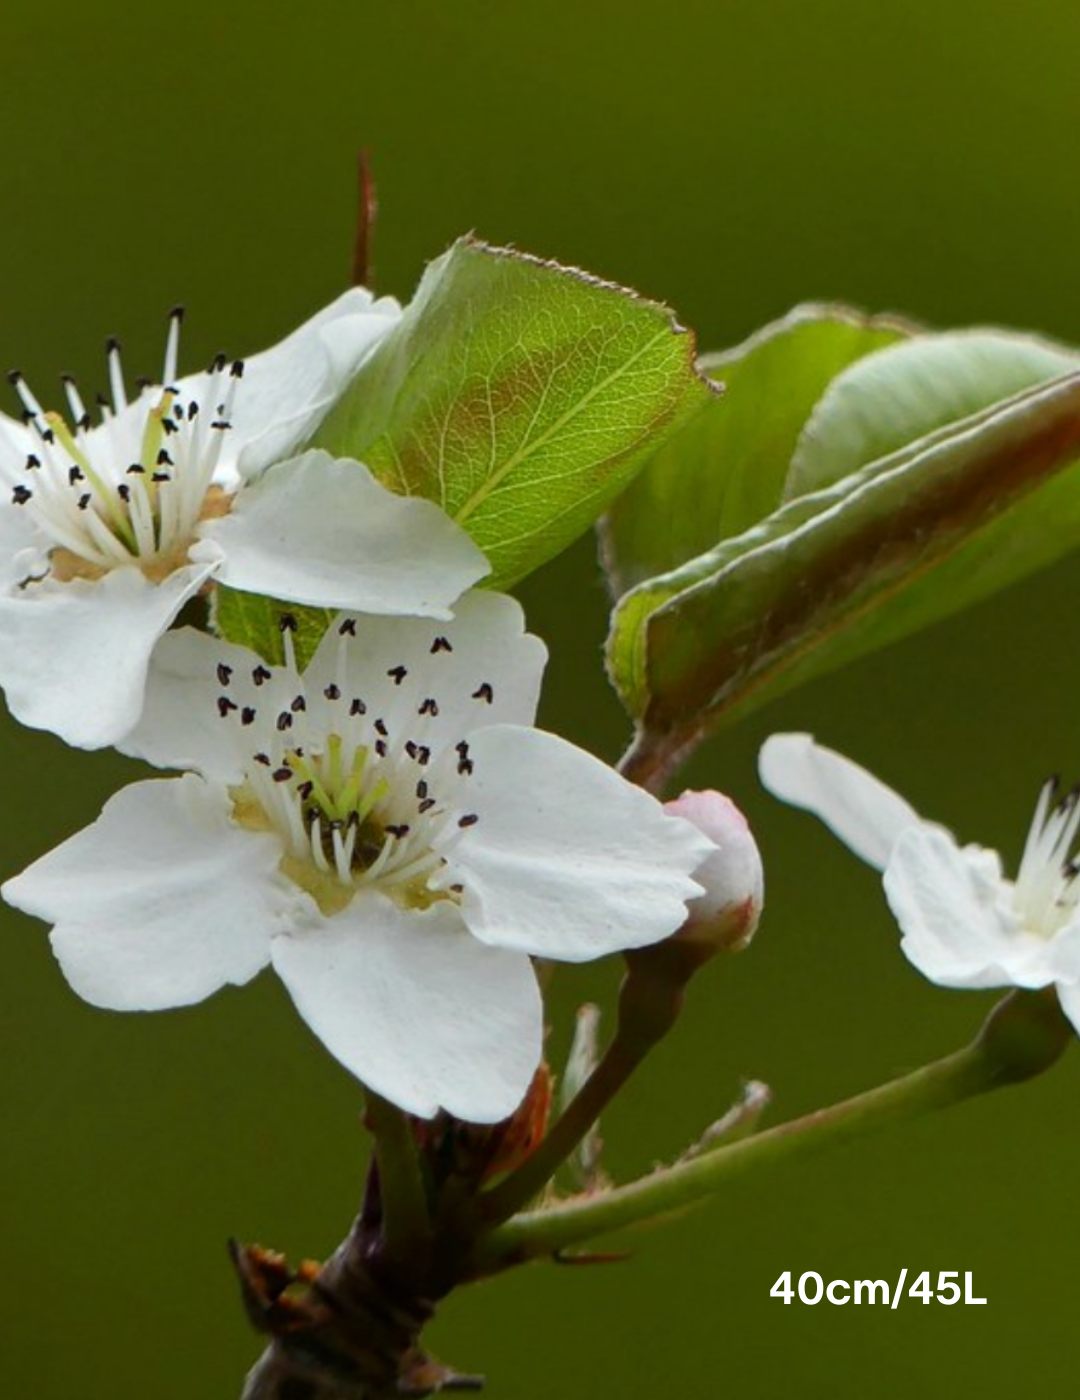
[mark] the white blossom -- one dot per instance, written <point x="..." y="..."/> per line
<point x="726" y="914"/>
<point x="387" y="830"/>
<point x="107" y="528"/>
<point x="964" y="922"/>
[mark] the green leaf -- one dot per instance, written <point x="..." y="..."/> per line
<point x="256" y="622"/>
<point x="833" y="574"/>
<point x="726" y="468"/>
<point x="881" y="404"/>
<point x="520" y="395"/>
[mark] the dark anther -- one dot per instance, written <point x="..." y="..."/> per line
<point x="457" y="889"/>
<point x="224" y="673"/>
<point x="440" y="644"/>
<point x="470" y="819"/>
<point x="347" y="628"/>
<point x="169" y="426"/>
<point x="380" y="728"/>
<point x="422" y="788"/>
<point x="423" y="755"/>
<point x="281" y="775"/>
<point x="237" y="369"/>
<point x="263" y="758"/>
<point x="84" y="501"/>
<point x="284" y="721"/>
<point x="15" y="376"/>
<point x="397" y="673"/>
<point x="260" y="675"/>
<point x="298" y="705"/>
<point x="47" y="435"/>
<point x="178" y="409"/>
<point x="218" y="363"/>
<point x="411" y="748"/>
<point x="75" y="474"/>
<point x="427" y="804"/>
<point x="124" y="492"/>
<point x="193" y="409"/>
<point x="399" y="831"/>
<point x="84" y="422"/>
<point x="357" y="706"/>
<point x="380" y="747"/>
<point x="32" y="463"/>
<point x="176" y="314"/>
<point x="247" y="714"/>
<point x="112" y="345"/>
<point x="159" y="477"/>
<point x="305" y="790"/>
<point x="429" y="707"/>
<point x="465" y="766"/>
<point x="287" y="622"/>
<point x="163" y="459"/>
<point x="462" y="747"/>
<point x="136" y="469"/>
<point x="224" y="705"/>
<point x="221" y="424"/>
<point x="484" y="692"/>
<point x="20" y="495"/>
<point x="332" y="692"/>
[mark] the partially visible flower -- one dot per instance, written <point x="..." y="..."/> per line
<point x="107" y="529"/>
<point x="964" y="923"/>
<point x="726" y="914"/>
<point x="387" y="831"/>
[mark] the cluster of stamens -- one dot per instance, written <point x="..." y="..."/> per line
<point x="1046" y="889"/>
<point x="360" y="798"/>
<point x="132" y="487"/>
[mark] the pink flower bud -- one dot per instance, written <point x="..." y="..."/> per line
<point x="725" y="916"/>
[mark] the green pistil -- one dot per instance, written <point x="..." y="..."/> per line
<point x="154" y="432"/>
<point x="118" y="519"/>
<point x="340" y="796"/>
<point x="333" y="763"/>
<point x="308" y="773"/>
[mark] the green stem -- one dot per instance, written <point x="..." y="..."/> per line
<point x="1024" y="1035"/>
<point x="647" y="762"/>
<point x="536" y="1171"/>
<point x="406" y="1217"/>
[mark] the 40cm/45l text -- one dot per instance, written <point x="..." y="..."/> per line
<point x="812" y="1288"/>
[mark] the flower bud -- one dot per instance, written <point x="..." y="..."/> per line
<point x="725" y="916"/>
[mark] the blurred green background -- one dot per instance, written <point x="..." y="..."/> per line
<point x="730" y="157"/>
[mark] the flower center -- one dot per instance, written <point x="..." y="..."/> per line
<point x="132" y="489"/>
<point x="353" y="795"/>
<point x="1046" y="891"/>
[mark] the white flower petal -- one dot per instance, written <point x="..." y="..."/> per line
<point x="1065" y="951"/>
<point x="490" y="674"/>
<point x="23" y="551"/>
<point x="181" y="726"/>
<point x="161" y="901"/>
<point x="865" y="814"/>
<point x="74" y="656"/>
<point x="416" y="1008"/>
<point x="567" y="859"/>
<point x="1068" y="994"/>
<point x="955" y="911"/>
<point x="322" y="531"/>
<point x="291" y="386"/>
